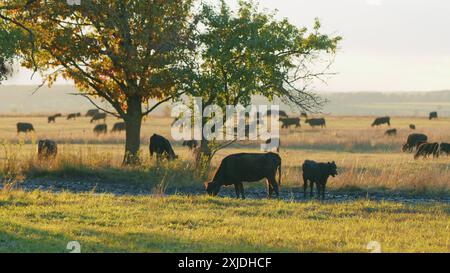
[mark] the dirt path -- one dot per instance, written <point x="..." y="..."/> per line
<point x="288" y="194"/>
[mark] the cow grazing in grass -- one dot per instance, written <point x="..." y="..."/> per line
<point x="412" y="127"/>
<point x="317" y="173"/>
<point x="162" y="147"/>
<point x="444" y="148"/>
<point x="92" y="112"/>
<point x="413" y="142"/>
<point x="246" y="167"/>
<point x="101" y="129"/>
<point x="315" y="122"/>
<point x="118" y="127"/>
<point x="381" y="120"/>
<point x="191" y="144"/>
<point x="73" y="116"/>
<point x="427" y="149"/>
<point x="99" y="116"/>
<point x="288" y="122"/>
<point x="391" y="132"/>
<point x="433" y="115"/>
<point x="47" y="149"/>
<point x="51" y="119"/>
<point x="23" y="127"/>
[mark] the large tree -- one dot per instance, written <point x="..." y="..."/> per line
<point x="248" y="52"/>
<point x="126" y="52"/>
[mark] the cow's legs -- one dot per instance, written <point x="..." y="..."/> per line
<point x="273" y="183"/>
<point x="305" y="186"/>
<point x="241" y="188"/>
<point x="269" y="188"/>
<point x="237" y="189"/>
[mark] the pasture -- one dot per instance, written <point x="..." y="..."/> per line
<point x="380" y="193"/>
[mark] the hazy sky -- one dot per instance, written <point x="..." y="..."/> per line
<point x="389" y="45"/>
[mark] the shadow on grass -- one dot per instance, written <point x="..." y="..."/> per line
<point x="26" y="239"/>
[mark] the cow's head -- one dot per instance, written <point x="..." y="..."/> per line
<point x="332" y="169"/>
<point x="212" y="188"/>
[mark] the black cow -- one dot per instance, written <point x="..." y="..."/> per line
<point x="73" y="116"/>
<point x="99" y="116"/>
<point x="413" y="142"/>
<point x="51" y="119"/>
<point x="47" y="148"/>
<point x="304" y="115"/>
<point x="101" y="129"/>
<point x="162" y="147"/>
<point x="313" y="122"/>
<point x="118" y="127"/>
<point x="391" y="132"/>
<point x="23" y="127"/>
<point x="92" y="112"/>
<point x="412" y="127"/>
<point x="191" y="144"/>
<point x="317" y="173"/>
<point x="246" y="167"/>
<point x="288" y="122"/>
<point x="444" y="148"/>
<point x="427" y="149"/>
<point x="433" y="115"/>
<point x="381" y="120"/>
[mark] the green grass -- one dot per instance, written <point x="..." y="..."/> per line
<point x="45" y="222"/>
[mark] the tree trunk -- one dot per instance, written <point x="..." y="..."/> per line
<point x="133" y="122"/>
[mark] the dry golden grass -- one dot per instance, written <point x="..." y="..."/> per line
<point x="366" y="158"/>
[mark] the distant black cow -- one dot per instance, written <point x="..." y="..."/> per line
<point x="427" y="149"/>
<point x="413" y="142"/>
<point x="412" y="127"/>
<point x="246" y="167"/>
<point x="23" y="127"/>
<point x="433" y="115"/>
<point x="191" y="144"/>
<point x="162" y="147"/>
<point x="314" y="122"/>
<point x="58" y="115"/>
<point x="101" y="129"/>
<point x="118" y="127"/>
<point x="273" y="143"/>
<point x="92" y="112"/>
<point x="304" y="115"/>
<point x="381" y="120"/>
<point x="51" y="119"/>
<point x="281" y="113"/>
<point x="99" y="116"/>
<point x="288" y="122"/>
<point x="317" y="173"/>
<point x="391" y="132"/>
<point x="444" y="148"/>
<point x="73" y="116"/>
<point x="47" y="148"/>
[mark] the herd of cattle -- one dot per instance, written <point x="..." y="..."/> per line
<point x="236" y="169"/>
<point x="94" y="114"/>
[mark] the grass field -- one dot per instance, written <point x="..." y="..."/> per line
<point x="44" y="222"/>
<point x="41" y="221"/>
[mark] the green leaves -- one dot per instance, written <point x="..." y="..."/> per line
<point x="245" y="53"/>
